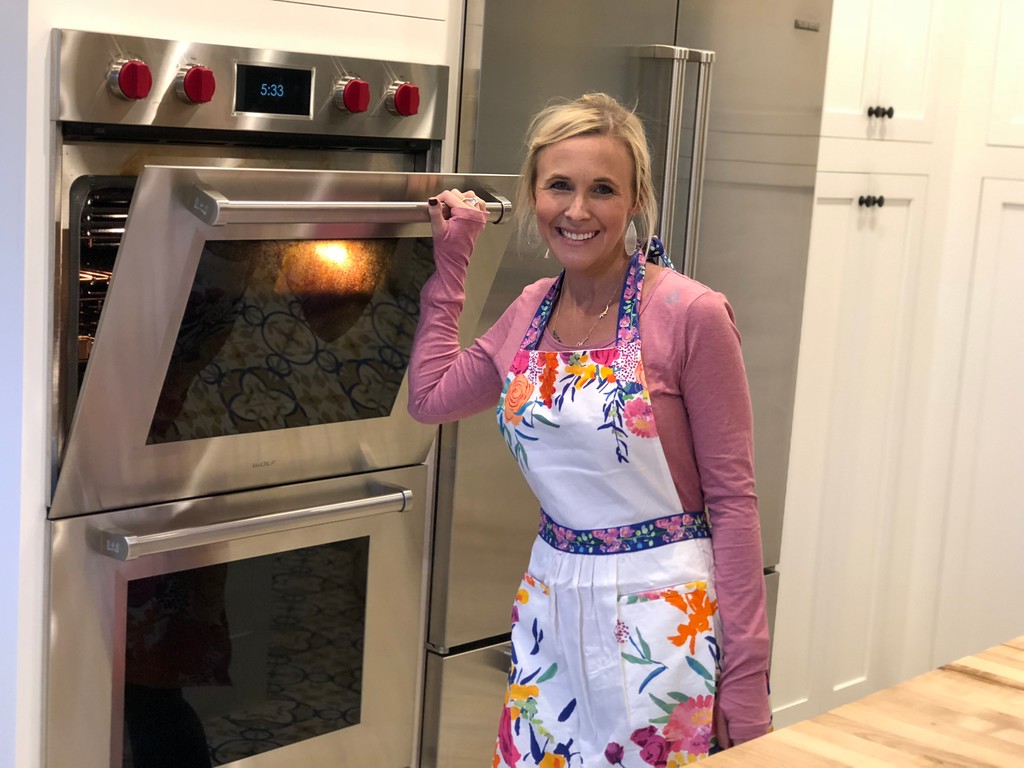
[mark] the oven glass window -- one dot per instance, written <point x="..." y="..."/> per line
<point x="280" y="334"/>
<point x="228" y="661"/>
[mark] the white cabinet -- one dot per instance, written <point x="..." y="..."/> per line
<point x="1006" y="119"/>
<point x="837" y="581"/>
<point x="981" y="597"/>
<point x="883" y="54"/>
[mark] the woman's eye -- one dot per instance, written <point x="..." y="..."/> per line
<point x="560" y="186"/>
<point x="604" y="189"/>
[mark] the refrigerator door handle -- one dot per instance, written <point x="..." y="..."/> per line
<point x="700" y="141"/>
<point x="679" y="59"/>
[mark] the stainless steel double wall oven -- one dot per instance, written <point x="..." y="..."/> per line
<point x="240" y="510"/>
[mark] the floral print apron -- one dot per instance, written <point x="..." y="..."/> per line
<point x="615" y="658"/>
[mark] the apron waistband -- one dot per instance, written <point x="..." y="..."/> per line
<point x="625" y="538"/>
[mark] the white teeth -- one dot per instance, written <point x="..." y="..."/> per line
<point x="576" y="235"/>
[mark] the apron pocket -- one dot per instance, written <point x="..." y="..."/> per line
<point x="539" y="717"/>
<point x="670" y="662"/>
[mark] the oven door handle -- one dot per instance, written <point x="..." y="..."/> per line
<point x="214" y="208"/>
<point x="122" y="545"/>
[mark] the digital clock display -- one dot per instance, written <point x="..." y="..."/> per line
<point x="273" y="90"/>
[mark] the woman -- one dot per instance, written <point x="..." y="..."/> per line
<point x="639" y="631"/>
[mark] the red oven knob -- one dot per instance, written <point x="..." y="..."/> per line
<point x="403" y="99"/>
<point x="195" y="84"/>
<point x="352" y="95"/>
<point x="130" y="79"/>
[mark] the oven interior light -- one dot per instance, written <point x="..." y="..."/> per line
<point x="335" y="253"/>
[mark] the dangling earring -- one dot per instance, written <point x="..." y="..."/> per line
<point x="630" y="241"/>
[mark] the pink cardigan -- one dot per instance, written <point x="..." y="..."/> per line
<point x="695" y="374"/>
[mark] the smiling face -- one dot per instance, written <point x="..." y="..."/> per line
<point x="584" y="200"/>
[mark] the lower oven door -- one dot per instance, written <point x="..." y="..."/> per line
<point x="266" y="629"/>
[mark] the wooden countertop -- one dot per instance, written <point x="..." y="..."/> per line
<point x="967" y="713"/>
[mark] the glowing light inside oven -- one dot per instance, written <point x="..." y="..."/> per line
<point x="334" y="253"/>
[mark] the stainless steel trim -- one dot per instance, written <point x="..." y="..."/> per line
<point x="472" y="57"/>
<point x="679" y="58"/>
<point x="84" y="60"/>
<point x="122" y="545"/>
<point x="216" y="209"/>
<point x="700" y="141"/>
<point x="501" y="657"/>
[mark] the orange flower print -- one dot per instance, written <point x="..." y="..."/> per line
<point x="584" y="373"/>
<point x="547" y="377"/>
<point x="519" y="392"/>
<point x="641" y="379"/>
<point x="551" y="760"/>
<point x="639" y="418"/>
<point x="533" y="583"/>
<point x="698" y="609"/>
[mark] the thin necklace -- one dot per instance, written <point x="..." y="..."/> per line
<point x="600" y="317"/>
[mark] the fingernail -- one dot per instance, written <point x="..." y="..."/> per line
<point x="432" y="201"/>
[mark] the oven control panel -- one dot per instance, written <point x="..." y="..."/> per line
<point x="105" y="79"/>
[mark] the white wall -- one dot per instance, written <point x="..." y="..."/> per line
<point x="426" y="31"/>
<point x="12" y="303"/>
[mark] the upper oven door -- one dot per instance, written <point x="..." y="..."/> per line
<point x="257" y="330"/>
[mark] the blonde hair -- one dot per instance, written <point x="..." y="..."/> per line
<point x="592" y="114"/>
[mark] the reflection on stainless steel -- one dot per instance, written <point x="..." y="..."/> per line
<point x="309" y="654"/>
<point x="240" y="306"/>
<point x="214" y="208"/>
<point x="108" y="463"/>
<point x="126" y="546"/>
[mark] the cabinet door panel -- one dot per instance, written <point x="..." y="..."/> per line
<point x="982" y="600"/>
<point x="847" y="438"/>
<point x="851" y="79"/>
<point x="1006" y="119"/>
<point x="907" y="74"/>
<point x="882" y="54"/>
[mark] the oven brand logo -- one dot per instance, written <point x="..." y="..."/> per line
<point x="261" y="464"/>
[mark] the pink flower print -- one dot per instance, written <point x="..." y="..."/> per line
<point x="640" y="418"/>
<point x="614" y="753"/>
<point x="506" y="745"/>
<point x="564" y="535"/>
<point x="605" y="357"/>
<point x="515" y="613"/>
<point x="621" y="635"/>
<point x="609" y="536"/>
<point x="690" y="724"/>
<point x="521" y="362"/>
<point x="654" y="750"/>
<point x="673" y="527"/>
<point x="629" y="293"/>
<point x="624" y="322"/>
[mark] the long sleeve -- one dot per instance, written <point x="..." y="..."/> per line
<point x="695" y="369"/>
<point x="447" y="383"/>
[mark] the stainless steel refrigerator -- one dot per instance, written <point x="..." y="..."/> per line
<point x="730" y="92"/>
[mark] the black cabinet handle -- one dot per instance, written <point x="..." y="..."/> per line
<point x="871" y="201"/>
<point x="881" y="112"/>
